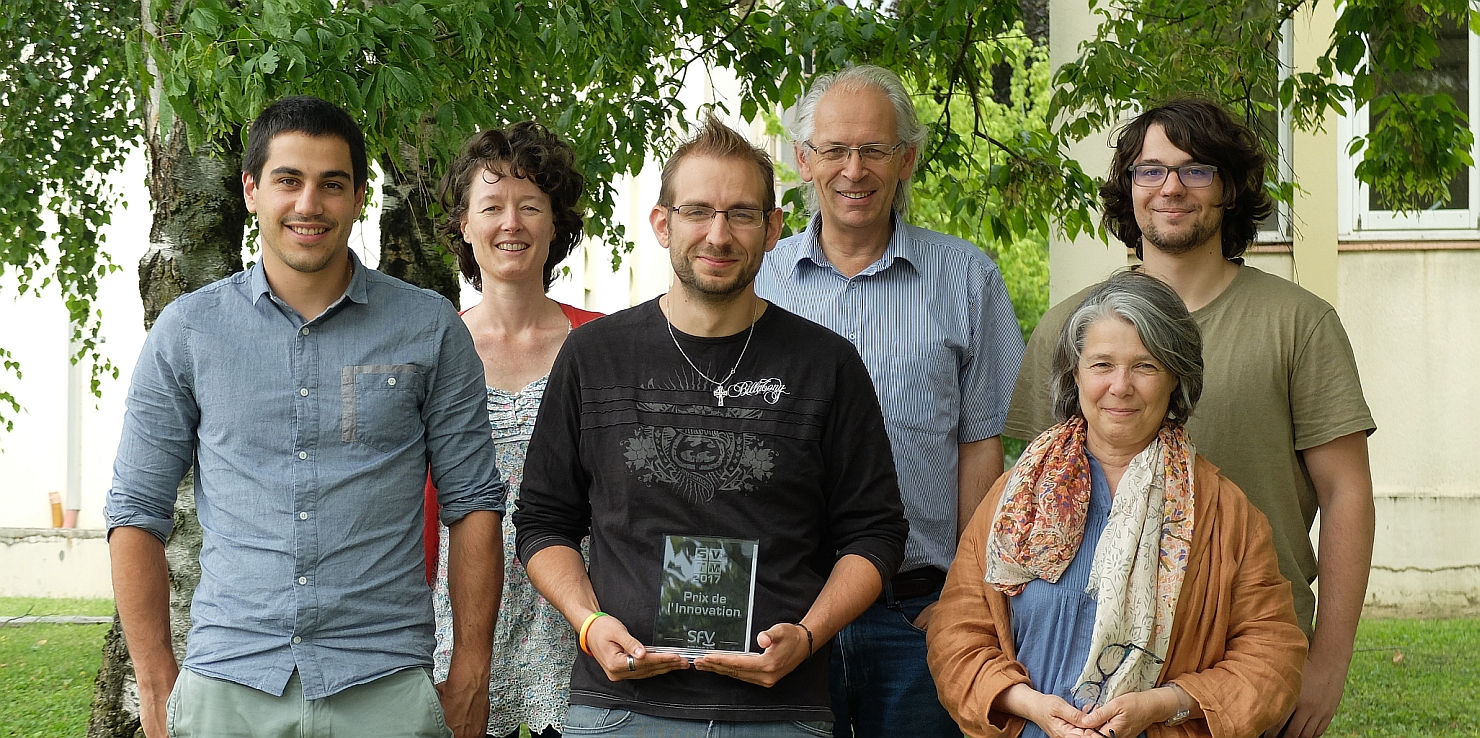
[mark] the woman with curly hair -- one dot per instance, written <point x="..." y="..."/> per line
<point x="510" y="200"/>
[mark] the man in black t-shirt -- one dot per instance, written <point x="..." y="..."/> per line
<point x="708" y="432"/>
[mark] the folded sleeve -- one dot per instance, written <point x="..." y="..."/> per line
<point x="460" y="448"/>
<point x="157" y="445"/>
<point x="988" y="375"/>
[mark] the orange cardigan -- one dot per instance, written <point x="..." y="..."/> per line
<point x="1234" y="645"/>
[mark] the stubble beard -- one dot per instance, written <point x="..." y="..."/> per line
<point x="301" y="260"/>
<point x="713" y="291"/>
<point x="1179" y="243"/>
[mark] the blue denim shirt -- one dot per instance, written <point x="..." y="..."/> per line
<point x="310" y="443"/>
<point x="938" y="334"/>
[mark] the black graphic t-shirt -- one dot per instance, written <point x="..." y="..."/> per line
<point x="632" y="445"/>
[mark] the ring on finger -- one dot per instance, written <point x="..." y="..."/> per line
<point x="631" y="663"/>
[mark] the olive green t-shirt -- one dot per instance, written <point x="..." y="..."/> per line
<point x="1278" y="377"/>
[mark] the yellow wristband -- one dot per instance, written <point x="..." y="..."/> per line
<point x="585" y="628"/>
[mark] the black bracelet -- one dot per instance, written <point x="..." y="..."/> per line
<point x="811" y="649"/>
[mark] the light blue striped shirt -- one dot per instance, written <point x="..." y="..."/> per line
<point x="937" y="331"/>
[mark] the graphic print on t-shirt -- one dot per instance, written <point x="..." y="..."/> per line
<point x="770" y="389"/>
<point x="701" y="462"/>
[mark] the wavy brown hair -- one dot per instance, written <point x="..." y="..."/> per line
<point x="1209" y="135"/>
<point x="525" y="150"/>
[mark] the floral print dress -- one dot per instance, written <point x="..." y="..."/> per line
<point x="533" y="645"/>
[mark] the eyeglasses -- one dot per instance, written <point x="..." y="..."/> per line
<point x="1190" y="175"/>
<point x="702" y="215"/>
<point x="874" y="153"/>
<point x="1111" y="658"/>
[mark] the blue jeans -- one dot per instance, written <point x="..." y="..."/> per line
<point x="586" y="720"/>
<point x="881" y="685"/>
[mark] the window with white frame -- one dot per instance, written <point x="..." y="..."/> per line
<point x="1456" y="72"/>
<point x="1276" y="126"/>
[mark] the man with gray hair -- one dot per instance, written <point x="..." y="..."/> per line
<point x="931" y="317"/>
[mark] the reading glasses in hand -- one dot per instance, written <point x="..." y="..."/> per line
<point x="1190" y="175"/>
<point x="871" y="153"/>
<point x="702" y="215"/>
<point x="1111" y="658"/>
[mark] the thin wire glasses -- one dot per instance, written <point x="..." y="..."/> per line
<point x="871" y="153"/>
<point x="1111" y="658"/>
<point x="702" y="215"/>
<point x="1191" y="175"/>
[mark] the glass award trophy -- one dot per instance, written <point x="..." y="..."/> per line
<point x="706" y="595"/>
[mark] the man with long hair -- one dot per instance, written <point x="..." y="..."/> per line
<point x="1282" y="412"/>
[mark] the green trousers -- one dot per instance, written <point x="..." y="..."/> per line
<point x="400" y="705"/>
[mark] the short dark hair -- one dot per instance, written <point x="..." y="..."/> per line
<point x="525" y="150"/>
<point x="1161" y="321"/>
<point x="719" y="141"/>
<point x="1209" y="135"/>
<point x="308" y="115"/>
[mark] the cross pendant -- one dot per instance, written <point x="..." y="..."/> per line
<point x="720" y="393"/>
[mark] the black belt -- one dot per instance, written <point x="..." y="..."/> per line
<point x="914" y="583"/>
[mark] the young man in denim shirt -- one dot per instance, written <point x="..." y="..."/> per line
<point x="308" y="394"/>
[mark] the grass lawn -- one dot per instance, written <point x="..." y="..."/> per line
<point x="1409" y="678"/>
<point x="12" y="606"/>
<point x="1413" y="678"/>
<point x="46" y="677"/>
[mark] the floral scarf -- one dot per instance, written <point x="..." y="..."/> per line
<point x="1140" y="561"/>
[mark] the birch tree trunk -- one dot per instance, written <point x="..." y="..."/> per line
<point x="409" y="249"/>
<point x="195" y="239"/>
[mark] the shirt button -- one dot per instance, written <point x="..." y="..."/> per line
<point x="303" y="516"/>
<point x="302" y="454"/>
<point x="303" y="331"/>
<point x="391" y="381"/>
<point x="303" y="580"/>
<point x="303" y="392"/>
<point x="297" y="639"/>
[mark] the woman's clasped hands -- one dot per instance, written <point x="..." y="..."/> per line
<point x="1126" y="716"/>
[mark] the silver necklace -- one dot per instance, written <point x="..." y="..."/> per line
<point x="720" y="393"/>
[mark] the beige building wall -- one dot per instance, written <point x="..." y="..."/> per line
<point x="1414" y="321"/>
<point x="1413" y="317"/>
<point x="1077" y="263"/>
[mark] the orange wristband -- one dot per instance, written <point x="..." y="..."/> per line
<point x="585" y="628"/>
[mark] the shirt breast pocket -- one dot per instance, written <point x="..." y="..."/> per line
<point x="382" y="404"/>
<point x="923" y="395"/>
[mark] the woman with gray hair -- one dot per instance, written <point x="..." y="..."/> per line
<point x="1175" y="621"/>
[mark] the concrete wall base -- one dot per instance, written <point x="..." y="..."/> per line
<point x="1426" y="559"/>
<point x="55" y="562"/>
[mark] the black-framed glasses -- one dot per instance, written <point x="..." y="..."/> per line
<point x="1111" y="658"/>
<point x="703" y="215"/>
<point x="870" y="153"/>
<point x="1190" y="175"/>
